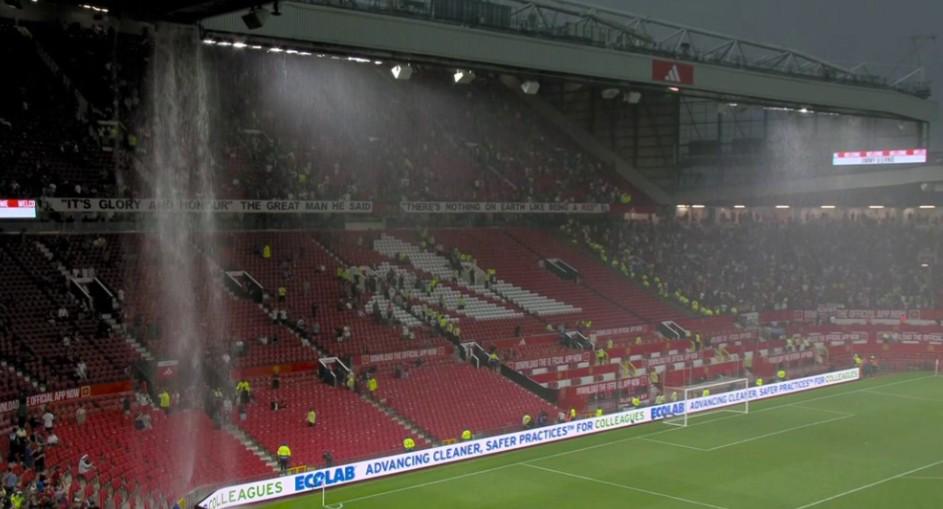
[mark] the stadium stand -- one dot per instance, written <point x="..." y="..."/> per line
<point x="706" y="265"/>
<point x="416" y="303"/>
<point x="466" y="401"/>
<point x="45" y="142"/>
<point x="125" y="263"/>
<point x="315" y="292"/>
<point x="54" y="337"/>
<point x="339" y="412"/>
<point x="145" y="463"/>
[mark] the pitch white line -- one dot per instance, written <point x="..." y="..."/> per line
<point x="870" y="485"/>
<point x="606" y="444"/>
<point x="905" y="396"/>
<point x="665" y="442"/>
<point x="923" y="478"/>
<point x="778" y="432"/>
<point x="623" y="486"/>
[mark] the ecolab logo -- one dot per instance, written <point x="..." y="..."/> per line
<point x="672" y="72"/>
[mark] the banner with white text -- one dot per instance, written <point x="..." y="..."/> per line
<point x="196" y="205"/>
<point x="476" y="207"/>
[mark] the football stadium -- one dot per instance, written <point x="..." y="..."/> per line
<point x="456" y="254"/>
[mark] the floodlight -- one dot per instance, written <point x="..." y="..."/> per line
<point x="402" y="71"/>
<point x="530" y="87"/>
<point x="463" y="76"/>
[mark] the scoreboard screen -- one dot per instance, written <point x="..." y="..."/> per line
<point x="17" y="209"/>
<point x="877" y="157"/>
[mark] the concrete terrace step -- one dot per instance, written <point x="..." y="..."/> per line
<point x="250" y="445"/>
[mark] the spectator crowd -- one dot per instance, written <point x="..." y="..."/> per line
<point x="718" y="268"/>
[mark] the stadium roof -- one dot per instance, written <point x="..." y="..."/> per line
<point x="569" y="39"/>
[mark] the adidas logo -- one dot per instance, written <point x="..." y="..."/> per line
<point x="673" y="75"/>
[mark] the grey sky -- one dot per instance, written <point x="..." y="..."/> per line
<point x="845" y="32"/>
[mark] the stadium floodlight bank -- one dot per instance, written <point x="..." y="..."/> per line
<point x="722" y="391"/>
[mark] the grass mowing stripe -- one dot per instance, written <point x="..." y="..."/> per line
<point x="905" y="396"/>
<point x="636" y="437"/>
<point x="823" y="410"/>
<point x="871" y="485"/>
<point x="623" y="486"/>
<point x="766" y="409"/>
<point x="779" y="432"/>
<point x="429" y="483"/>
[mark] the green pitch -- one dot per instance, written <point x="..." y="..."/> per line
<point x="876" y="443"/>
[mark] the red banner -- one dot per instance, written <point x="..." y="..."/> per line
<point x="594" y="388"/>
<point x="824" y="313"/>
<point x="75" y="393"/>
<point x="400" y="356"/>
<point x="672" y="72"/>
<point x="261" y="371"/>
<point x="547" y="362"/>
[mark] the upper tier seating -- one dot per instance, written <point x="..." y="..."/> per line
<point x="426" y="140"/>
<point x="45" y="147"/>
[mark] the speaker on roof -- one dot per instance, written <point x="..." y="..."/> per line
<point x="255" y="19"/>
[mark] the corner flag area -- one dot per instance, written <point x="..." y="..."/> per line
<point x="876" y="443"/>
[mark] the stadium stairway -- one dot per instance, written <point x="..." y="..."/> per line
<point x="339" y="412"/>
<point x="598" y="277"/>
<point x="116" y="328"/>
<point x="418" y="432"/>
<point x="308" y="271"/>
<point x="28" y="274"/>
<point x="521" y="265"/>
<point x="253" y="446"/>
